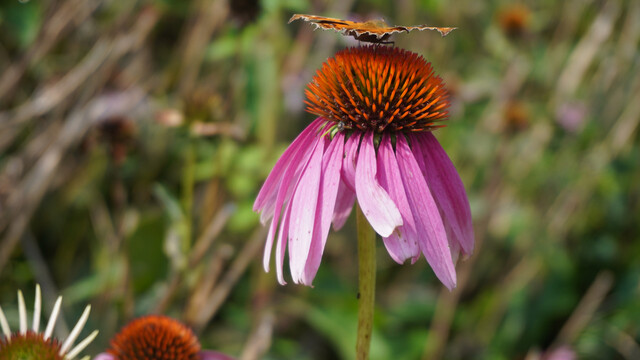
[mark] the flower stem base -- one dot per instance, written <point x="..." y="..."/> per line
<point x="366" y="284"/>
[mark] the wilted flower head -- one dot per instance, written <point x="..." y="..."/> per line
<point x="515" y="19"/>
<point x="31" y="344"/>
<point x="156" y="337"/>
<point x="372" y="142"/>
<point x="515" y="117"/>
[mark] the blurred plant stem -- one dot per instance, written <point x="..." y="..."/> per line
<point x="366" y="283"/>
<point x="188" y="182"/>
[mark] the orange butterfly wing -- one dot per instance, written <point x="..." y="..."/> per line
<point x="324" y="22"/>
<point x="375" y="31"/>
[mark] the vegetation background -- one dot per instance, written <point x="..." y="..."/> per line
<point x="134" y="136"/>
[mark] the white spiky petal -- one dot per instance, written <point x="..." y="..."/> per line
<point x="52" y="319"/>
<point x="81" y="345"/>
<point x="37" y="310"/>
<point x="76" y="331"/>
<point x="37" y="307"/>
<point x="22" y="309"/>
<point x="4" y="325"/>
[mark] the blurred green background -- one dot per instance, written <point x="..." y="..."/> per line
<point x="134" y="136"/>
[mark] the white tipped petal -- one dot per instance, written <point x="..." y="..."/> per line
<point x="22" y="310"/>
<point x="6" y="330"/>
<point x="81" y="346"/>
<point x="37" y="307"/>
<point x="52" y="320"/>
<point x="76" y="331"/>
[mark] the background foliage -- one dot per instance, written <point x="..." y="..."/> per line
<point x="134" y="136"/>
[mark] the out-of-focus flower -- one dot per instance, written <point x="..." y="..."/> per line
<point x="372" y="142"/>
<point x="516" y="117"/>
<point x="170" y="118"/>
<point x="571" y="116"/>
<point x="31" y="344"/>
<point x="156" y="337"/>
<point x="515" y="19"/>
<point x="561" y="353"/>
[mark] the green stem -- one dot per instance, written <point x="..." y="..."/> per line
<point x="188" y="182"/>
<point x="367" y="283"/>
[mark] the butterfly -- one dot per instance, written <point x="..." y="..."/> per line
<point x="373" y="31"/>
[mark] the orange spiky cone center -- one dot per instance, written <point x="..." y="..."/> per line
<point x="378" y="88"/>
<point x="29" y="346"/>
<point x="155" y="338"/>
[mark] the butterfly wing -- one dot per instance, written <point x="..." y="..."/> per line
<point x="375" y="31"/>
<point x="324" y="22"/>
<point x="373" y="34"/>
<point x="380" y="34"/>
<point x="371" y="31"/>
<point x="442" y="30"/>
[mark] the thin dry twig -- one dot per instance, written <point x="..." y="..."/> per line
<point x="53" y="95"/>
<point x="24" y="200"/>
<point x="260" y="340"/>
<point x="586" y="50"/>
<point x="202" y="245"/>
<point x="624" y="343"/>
<point x="583" y="313"/>
<point x="206" y="282"/>
<point x="210" y="16"/>
<point x="204" y="242"/>
<point x="230" y="278"/>
<point x="61" y="22"/>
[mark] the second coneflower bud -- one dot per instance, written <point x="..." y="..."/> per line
<point x="156" y="337"/>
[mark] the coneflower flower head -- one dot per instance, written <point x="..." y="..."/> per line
<point x="372" y="142"/>
<point x="31" y="344"/>
<point x="378" y="88"/>
<point x="157" y="337"/>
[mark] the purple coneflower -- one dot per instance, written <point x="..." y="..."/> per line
<point x="156" y="337"/>
<point x="31" y="344"/>
<point x="372" y="142"/>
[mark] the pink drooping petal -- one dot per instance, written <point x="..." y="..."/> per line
<point x="447" y="188"/>
<point x="432" y="236"/>
<point x="298" y="160"/>
<point x="376" y="205"/>
<point x="454" y="245"/>
<point x="331" y="166"/>
<point x="350" y="158"/>
<point x="347" y="187"/>
<point x="344" y="204"/>
<point x="303" y="209"/>
<point x="267" y="195"/>
<point x="281" y="243"/>
<point x="213" y="355"/>
<point x="283" y="234"/>
<point x="403" y="243"/>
